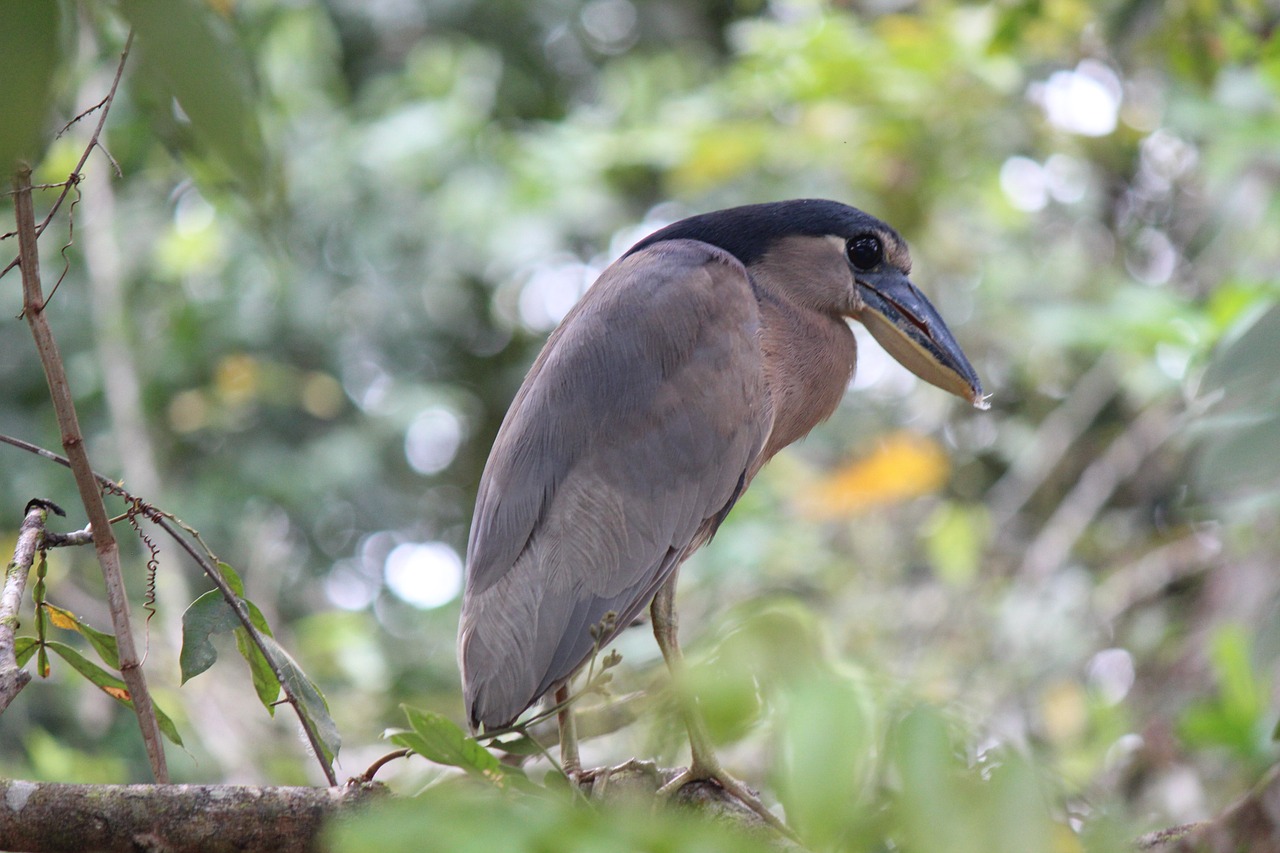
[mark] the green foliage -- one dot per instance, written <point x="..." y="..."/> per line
<point x="210" y="614"/>
<point x="470" y="817"/>
<point x="1240" y="717"/>
<point x="30" y="58"/>
<point x="437" y="738"/>
<point x="830" y="745"/>
<point x="320" y="386"/>
<point x="110" y="685"/>
<point x="103" y="643"/>
<point x="1242" y="430"/>
<point x="192" y="54"/>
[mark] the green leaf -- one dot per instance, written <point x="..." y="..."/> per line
<point x="207" y="615"/>
<point x="311" y="702"/>
<point x="1234" y="718"/>
<point x="111" y="685"/>
<point x="825" y="777"/>
<point x="194" y="52"/>
<point x="439" y="739"/>
<point x="30" y="52"/>
<point x="210" y="614"/>
<point x="23" y="649"/>
<point x="232" y="577"/>
<point x="264" y="677"/>
<point x="955" y="538"/>
<point x="103" y="643"/>
<point x="523" y="745"/>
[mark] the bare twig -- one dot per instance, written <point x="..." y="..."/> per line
<point x="74" y="178"/>
<point x="30" y="540"/>
<point x="208" y="563"/>
<point x="367" y="776"/>
<point x="83" y="536"/>
<point x="1054" y="436"/>
<point x="90" y="494"/>
<point x="1096" y="485"/>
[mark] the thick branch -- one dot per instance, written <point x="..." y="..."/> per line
<point x="45" y="817"/>
<point x="1250" y="826"/>
<point x="104" y="539"/>
<point x="12" y="678"/>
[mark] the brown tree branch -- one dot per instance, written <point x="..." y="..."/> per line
<point x="90" y="494"/>
<point x="1252" y="825"/>
<point x="46" y="817"/>
<point x="30" y="539"/>
<point x="207" y="562"/>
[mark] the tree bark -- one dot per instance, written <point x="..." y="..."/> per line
<point x="47" y="817"/>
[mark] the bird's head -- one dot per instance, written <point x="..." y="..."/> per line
<point x="835" y="259"/>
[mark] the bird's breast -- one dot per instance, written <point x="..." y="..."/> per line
<point x="809" y="360"/>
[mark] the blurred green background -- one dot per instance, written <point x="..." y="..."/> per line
<point x="344" y="228"/>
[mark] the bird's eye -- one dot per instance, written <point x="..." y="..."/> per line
<point x="865" y="252"/>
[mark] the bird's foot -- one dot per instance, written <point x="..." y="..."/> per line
<point x="595" y="781"/>
<point x="733" y="787"/>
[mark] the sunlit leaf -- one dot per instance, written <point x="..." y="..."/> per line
<point x="903" y="466"/>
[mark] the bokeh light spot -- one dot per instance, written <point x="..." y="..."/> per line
<point x="424" y="574"/>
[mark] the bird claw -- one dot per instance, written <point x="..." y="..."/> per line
<point x="731" y="786"/>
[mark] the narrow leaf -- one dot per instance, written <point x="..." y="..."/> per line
<point x="312" y="704"/>
<point x="103" y="643"/>
<point x="232" y="577"/>
<point x="111" y="685"/>
<point x="264" y="677"/>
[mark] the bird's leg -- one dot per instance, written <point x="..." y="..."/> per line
<point x="569" y="761"/>
<point x="703" y="763"/>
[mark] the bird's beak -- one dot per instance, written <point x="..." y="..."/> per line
<point x="911" y="330"/>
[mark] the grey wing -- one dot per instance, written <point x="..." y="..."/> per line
<point x="628" y="442"/>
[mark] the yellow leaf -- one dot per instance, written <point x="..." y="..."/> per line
<point x="64" y="619"/>
<point x="905" y="465"/>
<point x="116" y="693"/>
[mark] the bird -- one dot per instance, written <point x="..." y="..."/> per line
<point x="709" y="346"/>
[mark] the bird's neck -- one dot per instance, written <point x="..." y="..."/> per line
<point x="809" y="359"/>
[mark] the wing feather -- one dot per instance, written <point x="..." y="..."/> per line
<point x="631" y="436"/>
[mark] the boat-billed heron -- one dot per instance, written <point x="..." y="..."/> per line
<point x="708" y="347"/>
